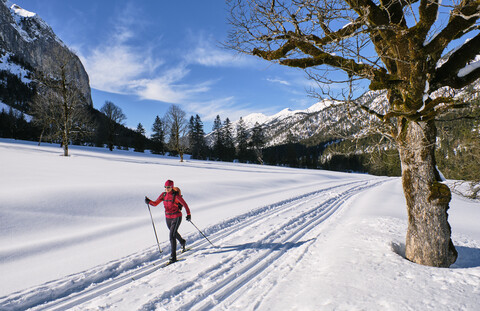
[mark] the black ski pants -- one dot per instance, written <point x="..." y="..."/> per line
<point x="173" y="224"/>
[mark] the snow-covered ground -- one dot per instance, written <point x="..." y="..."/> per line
<point x="76" y="234"/>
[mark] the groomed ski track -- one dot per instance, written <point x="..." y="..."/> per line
<point x="247" y="249"/>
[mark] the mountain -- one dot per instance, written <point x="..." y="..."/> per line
<point x="321" y="122"/>
<point x="29" y="42"/>
<point x="30" y="49"/>
<point x="286" y="114"/>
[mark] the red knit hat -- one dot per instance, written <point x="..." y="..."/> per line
<point x="169" y="183"/>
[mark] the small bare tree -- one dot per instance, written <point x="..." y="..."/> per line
<point x="392" y="45"/>
<point x="60" y="105"/>
<point x="178" y="125"/>
<point x="115" y="118"/>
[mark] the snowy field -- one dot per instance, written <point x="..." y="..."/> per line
<point x="76" y="234"/>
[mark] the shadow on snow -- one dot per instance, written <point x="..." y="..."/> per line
<point x="260" y="246"/>
<point x="468" y="257"/>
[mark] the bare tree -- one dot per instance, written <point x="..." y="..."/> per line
<point x="178" y="125"/>
<point x="392" y="45"/>
<point x="115" y="118"/>
<point x="41" y="108"/>
<point x="59" y="104"/>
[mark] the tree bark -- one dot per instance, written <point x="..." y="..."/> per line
<point x="65" y="143"/>
<point x="428" y="239"/>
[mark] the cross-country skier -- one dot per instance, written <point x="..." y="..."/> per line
<point x="173" y="215"/>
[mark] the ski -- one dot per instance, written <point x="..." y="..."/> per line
<point x="171" y="263"/>
<point x="186" y="250"/>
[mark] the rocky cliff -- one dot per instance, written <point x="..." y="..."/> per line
<point x="30" y="39"/>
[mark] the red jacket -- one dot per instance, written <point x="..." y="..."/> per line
<point x="171" y="208"/>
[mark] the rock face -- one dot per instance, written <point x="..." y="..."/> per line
<point x="32" y="40"/>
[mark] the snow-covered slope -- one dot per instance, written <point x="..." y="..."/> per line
<point x="75" y="234"/>
<point x="15" y="69"/>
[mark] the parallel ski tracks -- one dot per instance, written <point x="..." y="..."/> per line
<point x="225" y="287"/>
<point x="296" y="229"/>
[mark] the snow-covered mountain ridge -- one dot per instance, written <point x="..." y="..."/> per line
<point x="327" y="119"/>
<point x="320" y="120"/>
<point x="260" y="118"/>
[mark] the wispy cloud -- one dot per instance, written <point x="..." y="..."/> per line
<point x="111" y="68"/>
<point x="208" y="52"/>
<point x="168" y="87"/>
<point x="278" y="80"/>
<point x="120" y="68"/>
<point x="119" y="65"/>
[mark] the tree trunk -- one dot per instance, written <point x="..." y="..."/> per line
<point x="65" y="144"/>
<point x="65" y="137"/>
<point x="41" y="135"/>
<point x="428" y="239"/>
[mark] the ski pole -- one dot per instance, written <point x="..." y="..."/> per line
<point x="154" y="230"/>
<point x="201" y="233"/>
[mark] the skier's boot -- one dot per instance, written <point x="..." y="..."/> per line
<point x="184" y="244"/>
<point x="172" y="260"/>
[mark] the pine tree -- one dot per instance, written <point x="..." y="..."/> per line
<point x="257" y="142"/>
<point x="140" y="138"/>
<point x="218" y="144"/>
<point x="229" y="144"/>
<point x="242" y="141"/>
<point x="196" y="135"/>
<point x="292" y="157"/>
<point x="158" y="136"/>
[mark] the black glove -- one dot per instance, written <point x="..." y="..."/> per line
<point x="147" y="200"/>
<point x="189" y="217"/>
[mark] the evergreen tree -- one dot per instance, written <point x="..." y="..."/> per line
<point x="218" y="144"/>
<point x="191" y="135"/>
<point x="292" y="156"/>
<point x="257" y="142"/>
<point x="158" y="136"/>
<point x="197" y="138"/>
<point x="202" y="144"/>
<point x="228" y="141"/>
<point x="242" y="141"/>
<point x="140" y="138"/>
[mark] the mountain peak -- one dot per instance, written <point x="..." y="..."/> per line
<point x="29" y="38"/>
<point x="261" y="118"/>
<point x="253" y="118"/>
<point x="16" y="9"/>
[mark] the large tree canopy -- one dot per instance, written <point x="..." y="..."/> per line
<point x="394" y="44"/>
<point x="416" y="51"/>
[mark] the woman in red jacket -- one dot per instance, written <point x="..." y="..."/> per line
<point x="173" y="215"/>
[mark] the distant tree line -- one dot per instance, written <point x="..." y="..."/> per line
<point x="36" y="117"/>
<point x="175" y="134"/>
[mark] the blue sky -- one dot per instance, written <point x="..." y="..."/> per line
<point x="146" y="55"/>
